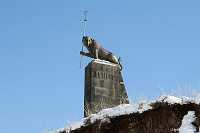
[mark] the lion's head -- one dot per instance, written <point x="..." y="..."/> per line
<point x="87" y="41"/>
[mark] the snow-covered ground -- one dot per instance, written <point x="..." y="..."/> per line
<point x="126" y="109"/>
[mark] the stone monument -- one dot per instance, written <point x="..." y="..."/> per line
<point x="104" y="85"/>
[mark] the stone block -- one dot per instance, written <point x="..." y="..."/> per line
<point x="104" y="87"/>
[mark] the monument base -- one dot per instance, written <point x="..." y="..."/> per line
<point x="104" y="87"/>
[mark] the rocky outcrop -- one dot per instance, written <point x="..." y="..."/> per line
<point x="163" y="118"/>
<point x="163" y="115"/>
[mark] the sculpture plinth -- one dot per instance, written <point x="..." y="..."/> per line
<point x="104" y="87"/>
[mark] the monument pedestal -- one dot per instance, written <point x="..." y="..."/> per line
<point x="104" y="87"/>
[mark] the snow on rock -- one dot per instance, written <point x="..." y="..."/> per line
<point x="169" y="99"/>
<point x="123" y="109"/>
<point x="197" y="99"/>
<point x="126" y="109"/>
<point x="104" y="62"/>
<point x="186" y="126"/>
<point x="70" y="127"/>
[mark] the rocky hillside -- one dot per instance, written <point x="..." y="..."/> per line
<point x="167" y="114"/>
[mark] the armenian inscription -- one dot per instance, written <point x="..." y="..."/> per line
<point x="102" y="75"/>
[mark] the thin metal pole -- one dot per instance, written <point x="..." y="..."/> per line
<point x="85" y="20"/>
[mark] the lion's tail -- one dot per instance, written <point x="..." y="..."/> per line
<point x="119" y="63"/>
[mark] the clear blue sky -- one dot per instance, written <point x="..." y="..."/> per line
<point x="40" y="41"/>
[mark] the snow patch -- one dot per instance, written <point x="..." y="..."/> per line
<point x="104" y="62"/>
<point x="70" y="127"/>
<point x="197" y="99"/>
<point x="186" y="126"/>
<point x="105" y="120"/>
<point x="123" y="109"/>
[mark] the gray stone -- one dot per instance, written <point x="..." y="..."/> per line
<point x="104" y="87"/>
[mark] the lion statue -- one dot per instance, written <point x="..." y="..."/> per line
<point x="96" y="51"/>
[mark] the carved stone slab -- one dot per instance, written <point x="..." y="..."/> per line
<point x="104" y="87"/>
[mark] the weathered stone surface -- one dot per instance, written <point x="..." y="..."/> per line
<point x="104" y="87"/>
